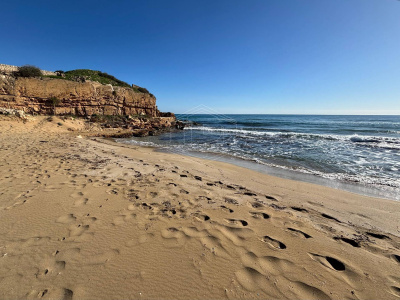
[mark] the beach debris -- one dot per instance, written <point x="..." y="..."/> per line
<point x="348" y="241"/>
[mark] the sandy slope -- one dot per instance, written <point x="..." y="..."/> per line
<point x="89" y="219"/>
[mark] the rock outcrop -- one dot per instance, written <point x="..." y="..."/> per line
<point x="13" y="112"/>
<point x="38" y="95"/>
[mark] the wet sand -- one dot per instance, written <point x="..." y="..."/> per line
<point x="87" y="218"/>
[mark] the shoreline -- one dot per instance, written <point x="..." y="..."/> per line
<point x="383" y="191"/>
<point x="242" y="172"/>
<point x="90" y="218"/>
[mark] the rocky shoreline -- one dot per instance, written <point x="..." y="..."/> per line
<point x="105" y="126"/>
<point x="128" y="126"/>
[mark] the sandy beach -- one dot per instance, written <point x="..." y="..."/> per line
<point x="83" y="217"/>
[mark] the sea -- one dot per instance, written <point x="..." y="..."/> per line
<point x="360" y="154"/>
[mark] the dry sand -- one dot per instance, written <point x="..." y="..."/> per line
<point x="86" y="218"/>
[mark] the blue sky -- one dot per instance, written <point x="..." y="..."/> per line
<point x="254" y="56"/>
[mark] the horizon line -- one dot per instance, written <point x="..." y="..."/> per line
<point x="293" y="114"/>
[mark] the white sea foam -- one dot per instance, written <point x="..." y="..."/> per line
<point x="341" y="150"/>
<point x="376" y="141"/>
<point x="356" y="178"/>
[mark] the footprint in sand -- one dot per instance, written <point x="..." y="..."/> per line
<point x="396" y="258"/>
<point x="66" y="219"/>
<point x="146" y="206"/>
<point x="132" y="194"/>
<point x="330" y="217"/>
<point x="123" y="218"/>
<point x="78" y="230"/>
<point x="18" y="203"/>
<point x="112" y="191"/>
<point x="77" y="195"/>
<point x="172" y="232"/>
<point x="205" y="198"/>
<point x="89" y="219"/>
<point x="53" y="268"/>
<point x="80" y="202"/>
<point x="51" y="293"/>
<point x="273" y="243"/>
<point x="153" y="194"/>
<point x="227" y="209"/>
<point x="329" y="262"/>
<point x="173" y="237"/>
<point x="237" y="222"/>
<point x="298" y="232"/>
<point x="231" y="201"/>
<point x="249" y="194"/>
<point x="259" y="215"/>
<point x="378" y="236"/>
<point x="67" y="254"/>
<point x="201" y="217"/>
<point x="351" y="242"/>
<point x="300" y="209"/>
<point x="50" y="189"/>
<point x="270" y="198"/>
<point x="277" y="207"/>
<point x="256" y="205"/>
<point x="395" y="291"/>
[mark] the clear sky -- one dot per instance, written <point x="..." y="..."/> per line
<point x="249" y="56"/>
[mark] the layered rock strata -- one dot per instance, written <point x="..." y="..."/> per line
<point x="64" y="97"/>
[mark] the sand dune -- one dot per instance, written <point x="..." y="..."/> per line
<point x="85" y="218"/>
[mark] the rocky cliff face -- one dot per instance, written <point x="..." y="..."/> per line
<point x="34" y="95"/>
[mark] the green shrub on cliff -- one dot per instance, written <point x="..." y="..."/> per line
<point x="86" y="74"/>
<point x="53" y="101"/>
<point x="141" y="90"/>
<point x="82" y="75"/>
<point x="28" y="71"/>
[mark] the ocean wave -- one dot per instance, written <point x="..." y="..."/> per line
<point x="366" y="179"/>
<point x="376" y="141"/>
<point x="230" y="130"/>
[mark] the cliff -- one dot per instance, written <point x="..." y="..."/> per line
<point x="36" y="96"/>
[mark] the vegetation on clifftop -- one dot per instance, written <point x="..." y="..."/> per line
<point x="79" y="75"/>
<point x="98" y="76"/>
<point x="28" y="71"/>
<point x="101" y="77"/>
